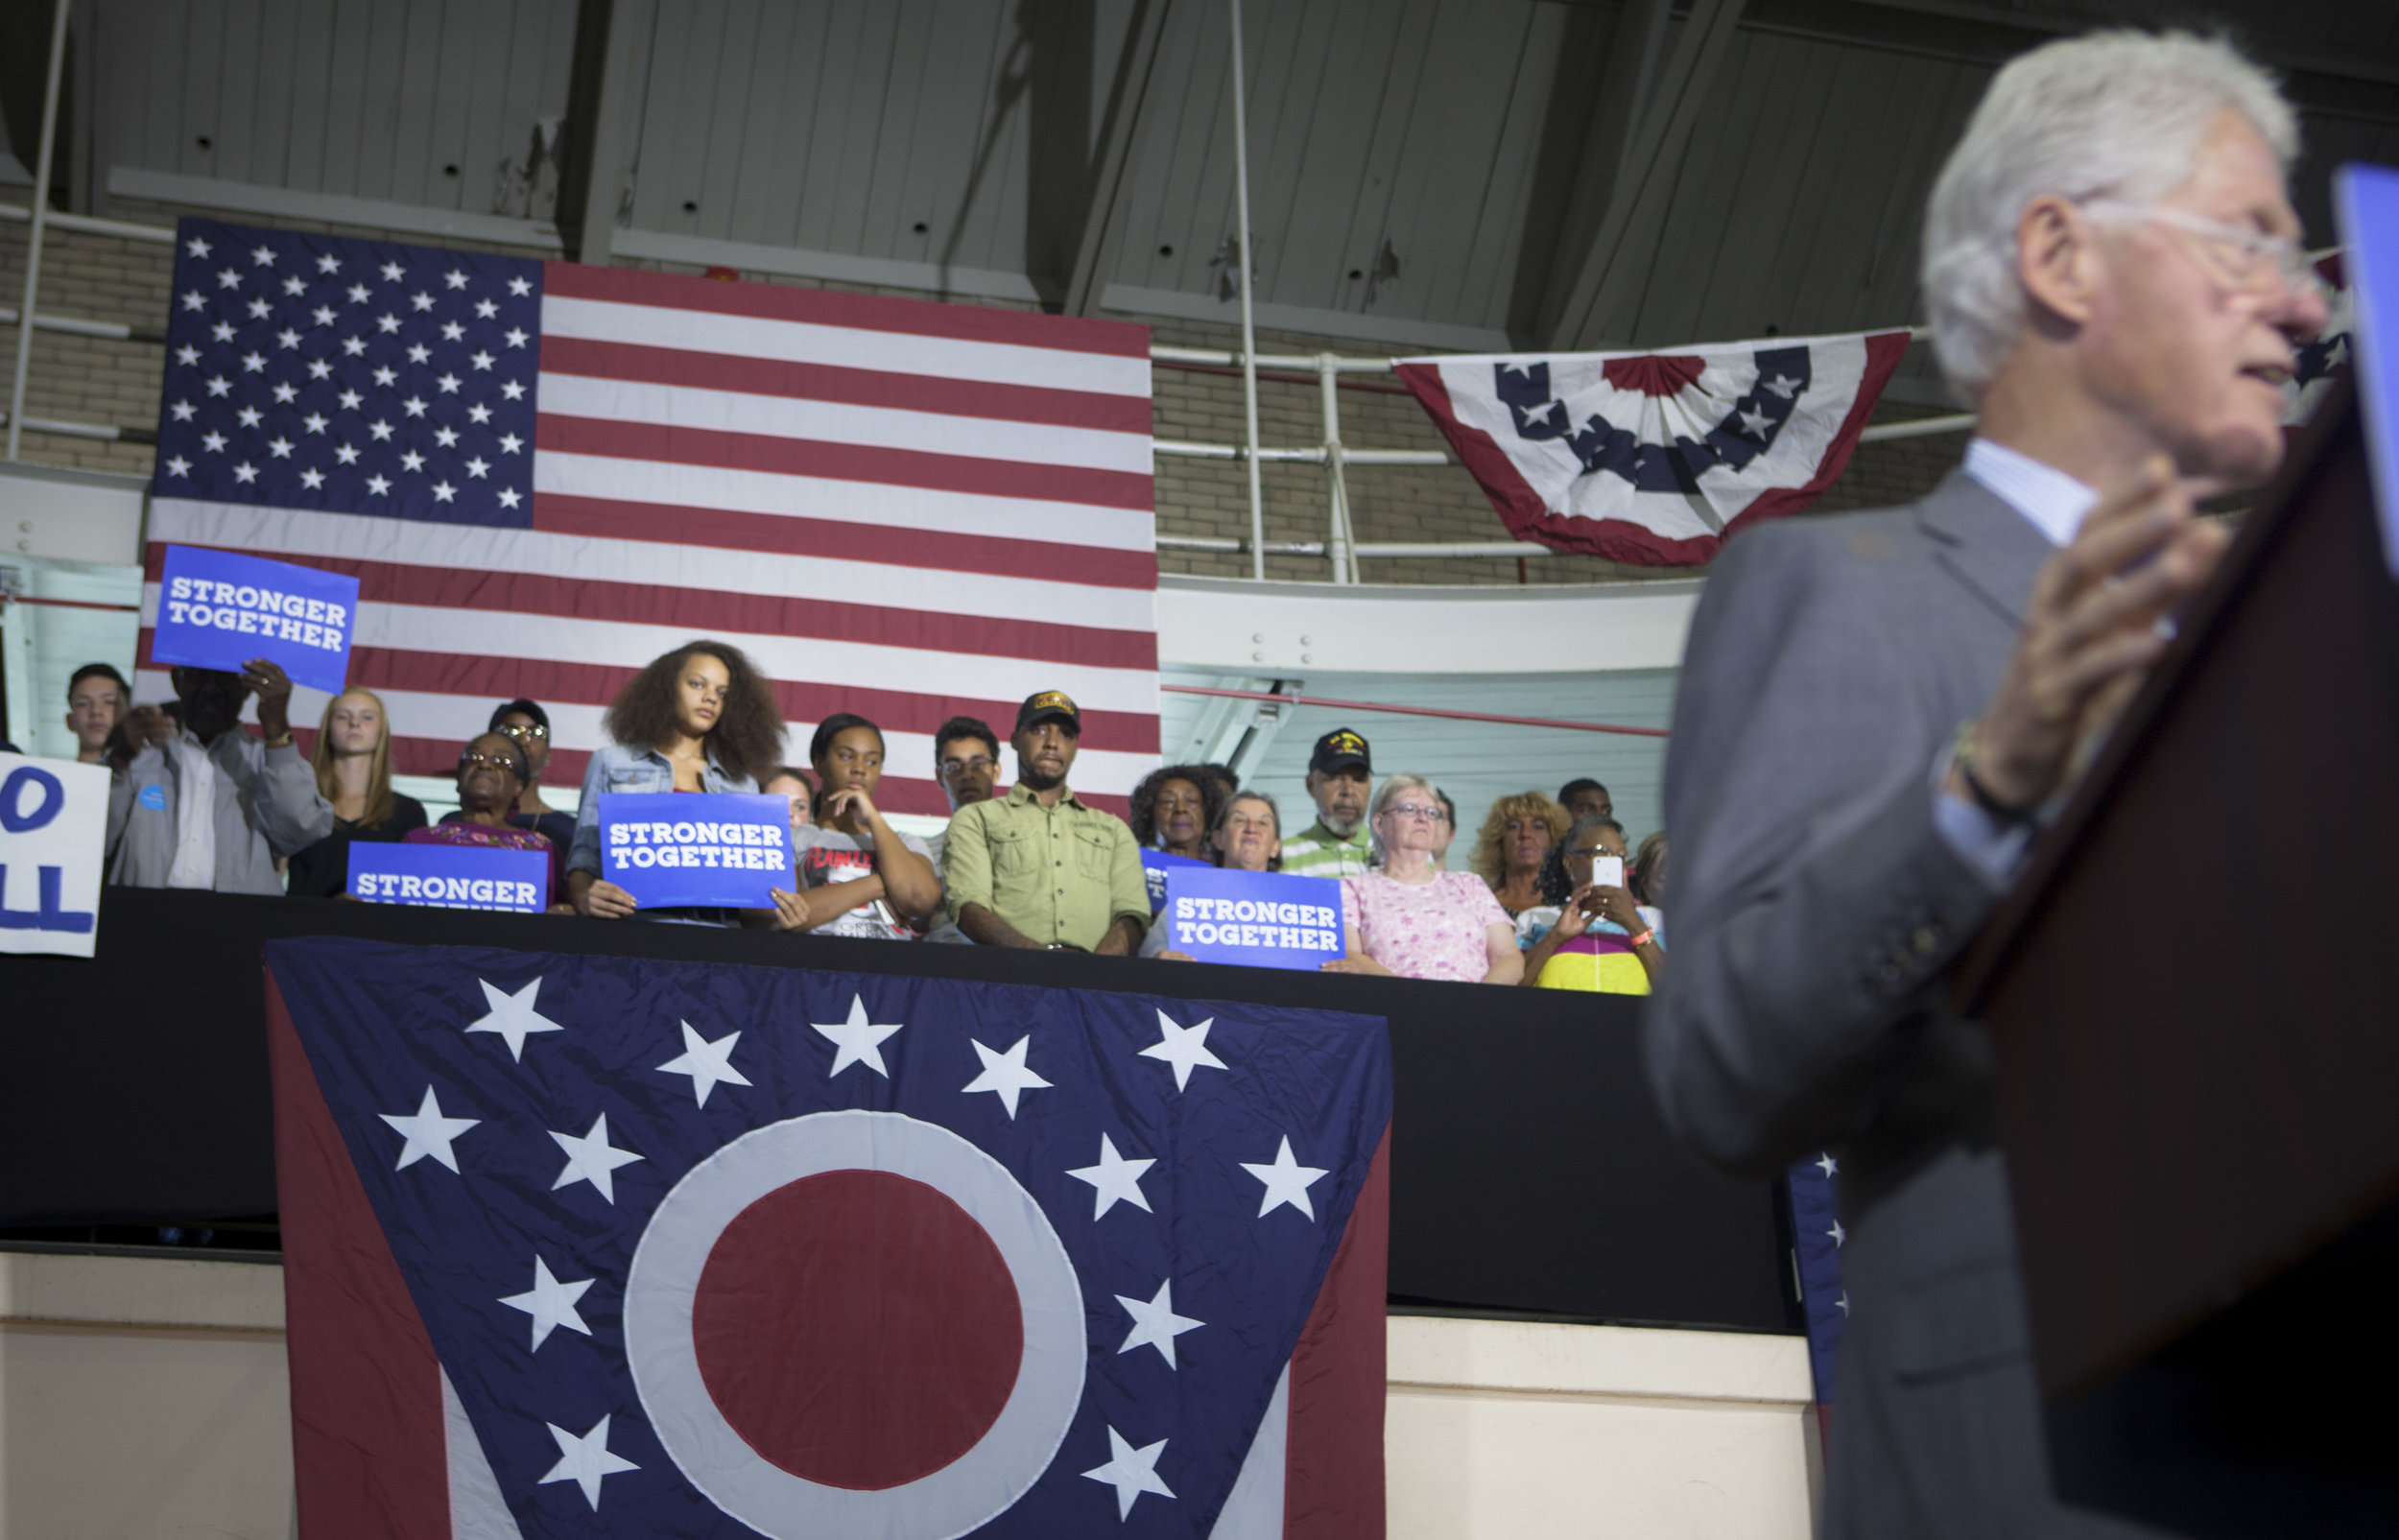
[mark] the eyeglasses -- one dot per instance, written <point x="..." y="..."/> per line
<point x="468" y="762"/>
<point x="1416" y="810"/>
<point x="980" y="761"/>
<point x="524" y="730"/>
<point x="2245" y="260"/>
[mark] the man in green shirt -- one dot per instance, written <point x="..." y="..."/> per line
<point x="1336" y="844"/>
<point x="1036" y="868"/>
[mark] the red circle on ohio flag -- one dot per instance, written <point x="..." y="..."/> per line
<point x="858" y="1328"/>
<point x="794" y="1296"/>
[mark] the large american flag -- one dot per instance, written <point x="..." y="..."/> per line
<point x="544" y="474"/>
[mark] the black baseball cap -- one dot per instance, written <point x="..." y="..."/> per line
<point x="1050" y="706"/>
<point x="1340" y="750"/>
<point x="509" y="708"/>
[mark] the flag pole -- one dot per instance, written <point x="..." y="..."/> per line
<point x="1242" y="275"/>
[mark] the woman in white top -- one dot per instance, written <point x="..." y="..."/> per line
<point x="1408" y="917"/>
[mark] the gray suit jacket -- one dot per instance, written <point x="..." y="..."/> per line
<point x="1817" y="914"/>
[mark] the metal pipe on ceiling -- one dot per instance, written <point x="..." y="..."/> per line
<point x="40" y="218"/>
<point x="1243" y="271"/>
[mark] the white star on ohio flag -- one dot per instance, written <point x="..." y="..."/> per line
<point x="1130" y="1471"/>
<point x="860" y="1041"/>
<point x="1155" y="1323"/>
<point x="1006" y="1074"/>
<point x="1287" y="1181"/>
<point x="428" y="1132"/>
<point x="1113" y="1178"/>
<point x="550" y="1303"/>
<point x="512" y="1016"/>
<point x="585" y="1460"/>
<point x="592" y="1159"/>
<point x="1186" y="1048"/>
<point x="708" y="1064"/>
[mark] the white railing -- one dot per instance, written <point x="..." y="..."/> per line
<point x="1341" y="549"/>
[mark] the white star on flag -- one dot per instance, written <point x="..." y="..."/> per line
<point x="708" y="1064"/>
<point x="1826" y="1164"/>
<point x="428" y="1132"/>
<point x="1781" y="384"/>
<point x="1006" y="1074"/>
<point x="1840" y="1237"/>
<point x="1114" y="1178"/>
<point x="1287" y="1181"/>
<point x="1130" y="1471"/>
<point x="1755" y="423"/>
<point x="1183" y="1047"/>
<point x="550" y="1303"/>
<point x="1155" y="1323"/>
<point x="860" y="1041"/>
<point x="592" y="1159"/>
<point x="584" y="1460"/>
<point x="512" y="1016"/>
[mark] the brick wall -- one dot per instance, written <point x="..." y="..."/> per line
<point x="96" y="380"/>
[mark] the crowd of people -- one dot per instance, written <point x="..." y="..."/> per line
<point x="1555" y="898"/>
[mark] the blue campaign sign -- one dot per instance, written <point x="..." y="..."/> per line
<point x="1154" y="865"/>
<point x="679" y="849"/>
<point x="2369" y="199"/>
<point x="1261" y="919"/>
<point x="450" y="876"/>
<point x="218" y="609"/>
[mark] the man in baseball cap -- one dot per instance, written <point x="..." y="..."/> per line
<point x="1340" y="770"/>
<point x="1037" y="868"/>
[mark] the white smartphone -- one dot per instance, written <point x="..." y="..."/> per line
<point x="1608" y="871"/>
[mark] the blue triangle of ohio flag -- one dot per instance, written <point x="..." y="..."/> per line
<point x="594" y="1246"/>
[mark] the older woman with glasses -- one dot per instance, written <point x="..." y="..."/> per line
<point x="1409" y="918"/>
<point x="492" y="773"/>
<point x="1598" y="939"/>
<point x="1247" y="836"/>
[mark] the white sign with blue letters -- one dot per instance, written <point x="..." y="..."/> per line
<point x="53" y="824"/>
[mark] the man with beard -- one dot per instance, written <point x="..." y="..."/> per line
<point x="203" y="804"/>
<point x="1037" y="868"/>
<point x="1336" y="844"/>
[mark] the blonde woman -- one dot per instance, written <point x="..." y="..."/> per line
<point x="1408" y="917"/>
<point x="1513" y="844"/>
<point x="353" y="764"/>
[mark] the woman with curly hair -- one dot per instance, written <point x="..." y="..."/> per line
<point x="699" y="718"/>
<point x="1515" y="842"/>
<point x="1175" y="807"/>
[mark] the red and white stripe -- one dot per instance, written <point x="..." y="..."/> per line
<point x="899" y="509"/>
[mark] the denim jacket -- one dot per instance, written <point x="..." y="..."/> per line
<point x="626" y="768"/>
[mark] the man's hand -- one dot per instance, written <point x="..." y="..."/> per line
<point x="274" y="688"/>
<point x="146" y="727"/>
<point x="2090" y="629"/>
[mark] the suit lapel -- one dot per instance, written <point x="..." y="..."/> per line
<point x="1988" y="545"/>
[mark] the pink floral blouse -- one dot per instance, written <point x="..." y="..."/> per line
<point x="1436" y="929"/>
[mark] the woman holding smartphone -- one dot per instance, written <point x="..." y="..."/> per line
<point x="1600" y="941"/>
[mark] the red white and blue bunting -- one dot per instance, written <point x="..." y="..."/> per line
<point x="1651" y="458"/>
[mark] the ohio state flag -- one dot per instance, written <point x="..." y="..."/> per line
<point x="1650" y="458"/>
<point x="597" y="1245"/>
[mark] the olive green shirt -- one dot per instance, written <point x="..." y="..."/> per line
<point x="1061" y="873"/>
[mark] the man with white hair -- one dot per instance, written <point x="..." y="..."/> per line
<point x="1878" y="710"/>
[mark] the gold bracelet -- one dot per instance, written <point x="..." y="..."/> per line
<point x="284" y="741"/>
<point x="1961" y="755"/>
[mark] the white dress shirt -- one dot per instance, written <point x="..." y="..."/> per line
<point x="2055" y="504"/>
<point x="195" y="813"/>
